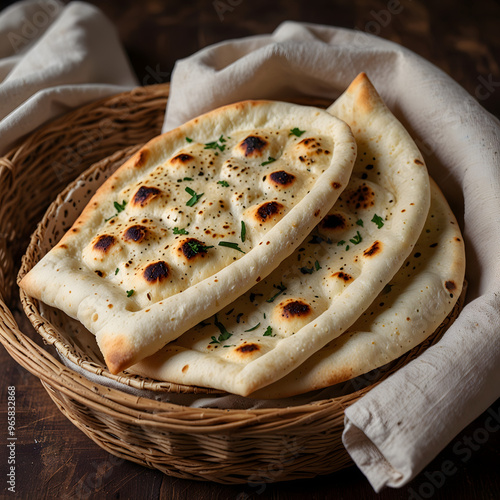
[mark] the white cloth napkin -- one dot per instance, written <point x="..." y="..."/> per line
<point x="54" y="58"/>
<point x="400" y="426"/>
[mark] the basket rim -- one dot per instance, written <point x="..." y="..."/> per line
<point x="128" y="407"/>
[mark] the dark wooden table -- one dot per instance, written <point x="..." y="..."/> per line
<point x="55" y="460"/>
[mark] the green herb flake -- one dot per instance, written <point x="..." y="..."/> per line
<point x="243" y="231"/>
<point x="224" y="334"/>
<point x="270" y="159"/>
<point x="347" y="248"/>
<point x="306" y="270"/>
<point x="340" y="243"/>
<point x="269" y="332"/>
<point x="228" y="244"/>
<point x="253" y="328"/>
<point x="188" y="139"/>
<point x="296" y="131"/>
<point x="197" y="248"/>
<point x="378" y="220"/>
<point x="194" y="197"/>
<point x="130" y="293"/>
<point x="281" y="288"/>
<point x="357" y="239"/>
<point x="176" y="230"/>
<point x="317" y="266"/>
<point x="120" y="208"/>
<point x="218" y="144"/>
<point x="359" y="222"/>
<point x="223" y="183"/>
<point x="116" y="271"/>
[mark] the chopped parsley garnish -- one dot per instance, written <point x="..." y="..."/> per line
<point x="130" y="293"/>
<point x="118" y="207"/>
<point x="253" y="328"/>
<point x="347" y="248"/>
<point x="197" y="248"/>
<point x="270" y="159"/>
<point x="281" y="288"/>
<point x="224" y="334"/>
<point x="223" y="183"/>
<point x="188" y="139"/>
<point x="176" y="230"/>
<point x="296" y="131"/>
<point x="357" y="239"/>
<point x="185" y="179"/>
<point x="228" y="244"/>
<point x="306" y="270"/>
<point x="116" y="271"/>
<point x="359" y="222"/>
<point x="194" y="197"/>
<point x="317" y="266"/>
<point x="268" y="332"/>
<point x="218" y="144"/>
<point x="243" y="231"/>
<point x="378" y="220"/>
<point x="340" y="243"/>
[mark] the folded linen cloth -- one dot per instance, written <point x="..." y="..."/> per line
<point x="54" y="58"/>
<point x="399" y="427"/>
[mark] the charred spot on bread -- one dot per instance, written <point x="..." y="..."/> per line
<point x="450" y="286"/>
<point x="346" y="278"/>
<point x="142" y="158"/>
<point x="247" y="348"/>
<point x="295" y="308"/>
<point x="181" y="159"/>
<point x="334" y="222"/>
<point x="282" y="178"/>
<point x="135" y="233"/>
<point x="191" y="247"/>
<point x="268" y="210"/>
<point x="374" y="249"/>
<point x="144" y="195"/>
<point x="156" y="272"/>
<point x="252" y="145"/>
<point x="104" y="242"/>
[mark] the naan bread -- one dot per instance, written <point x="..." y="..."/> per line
<point x="410" y="308"/>
<point x="194" y="219"/>
<point x="325" y="286"/>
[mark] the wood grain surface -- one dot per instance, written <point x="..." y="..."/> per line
<point x="56" y="460"/>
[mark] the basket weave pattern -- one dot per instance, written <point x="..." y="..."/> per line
<point x="229" y="446"/>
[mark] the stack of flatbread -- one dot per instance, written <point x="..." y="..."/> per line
<point x="265" y="249"/>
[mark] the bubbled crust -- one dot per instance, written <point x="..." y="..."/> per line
<point x="150" y="236"/>
<point x="334" y="275"/>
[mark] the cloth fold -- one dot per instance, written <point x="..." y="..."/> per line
<point x="399" y="427"/>
<point x="54" y="58"/>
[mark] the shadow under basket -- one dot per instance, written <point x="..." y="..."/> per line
<point x="226" y="446"/>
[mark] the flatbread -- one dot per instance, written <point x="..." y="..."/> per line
<point x="325" y="286"/>
<point x="193" y="220"/>
<point x="409" y="309"/>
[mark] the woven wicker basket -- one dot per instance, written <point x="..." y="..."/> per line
<point x="228" y="446"/>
